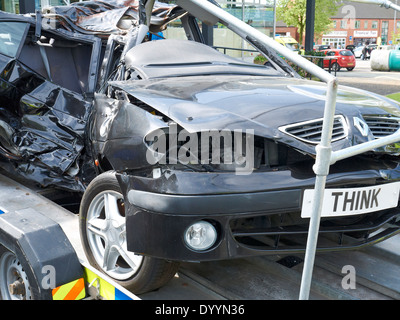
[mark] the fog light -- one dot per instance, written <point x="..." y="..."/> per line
<point x="200" y="235"/>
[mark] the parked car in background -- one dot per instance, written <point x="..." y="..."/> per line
<point x="322" y="47"/>
<point x="344" y="59"/>
<point x="288" y="42"/>
<point x="358" y="52"/>
<point x="367" y="50"/>
<point x="385" y="47"/>
<point x="372" y="46"/>
<point x="351" y="47"/>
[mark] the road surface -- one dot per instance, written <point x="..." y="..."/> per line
<point x="362" y="77"/>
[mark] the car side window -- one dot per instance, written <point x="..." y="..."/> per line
<point x="330" y="53"/>
<point x="11" y="34"/>
<point x="62" y="61"/>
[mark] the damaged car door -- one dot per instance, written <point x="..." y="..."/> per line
<point x="11" y="39"/>
<point x="47" y="79"/>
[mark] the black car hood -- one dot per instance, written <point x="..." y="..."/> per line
<point x="262" y="104"/>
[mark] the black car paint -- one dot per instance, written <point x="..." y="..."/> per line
<point x="54" y="136"/>
<point x="47" y="123"/>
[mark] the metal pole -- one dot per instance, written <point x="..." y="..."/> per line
<point x="243" y="18"/>
<point x="208" y="34"/>
<point x="321" y="169"/>
<point x="310" y="20"/>
<point x="274" y="27"/>
<point x="394" y="25"/>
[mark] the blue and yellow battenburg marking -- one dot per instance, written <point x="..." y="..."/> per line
<point x="75" y="290"/>
<point x="106" y="290"/>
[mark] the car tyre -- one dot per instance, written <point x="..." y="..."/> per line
<point x="350" y="69"/>
<point x="335" y="67"/>
<point x="103" y="234"/>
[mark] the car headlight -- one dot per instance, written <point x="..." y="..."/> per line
<point x="213" y="149"/>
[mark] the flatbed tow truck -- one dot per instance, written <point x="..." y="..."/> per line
<point x="39" y="231"/>
<point x="45" y="257"/>
<point x="31" y="219"/>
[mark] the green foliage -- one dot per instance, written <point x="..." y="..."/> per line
<point x="396" y="36"/>
<point x="313" y="56"/>
<point x="293" y="13"/>
<point x="394" y="96"/>
<point x="314" y="59"/>
<point x="260" y="59"/>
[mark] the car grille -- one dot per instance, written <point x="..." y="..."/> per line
<point x="382" y="126"/>
<point x="286" y="233"/>
<point x="310" y="131"/>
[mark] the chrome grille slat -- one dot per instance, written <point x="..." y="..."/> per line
<point x="310" y="131"/>
<point x="381" y="123"/>
<point x="381" y="126"/>
<point x="304" y="130"/>
<point x="388" y="127"/>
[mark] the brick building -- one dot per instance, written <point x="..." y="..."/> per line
<point x="283" y="30"/>
<point x="356" y="23"/>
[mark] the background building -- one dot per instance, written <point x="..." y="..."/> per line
<point x="358" y="23"/>
<point x="282" y="30"/>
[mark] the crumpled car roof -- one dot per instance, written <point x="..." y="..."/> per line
<point x="110" y="17"/>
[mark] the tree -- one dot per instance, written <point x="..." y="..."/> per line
<point x="396" y="37"/>
<point x="293" y="13"/>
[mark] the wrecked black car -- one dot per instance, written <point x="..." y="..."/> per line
<point x="183" y="153"/>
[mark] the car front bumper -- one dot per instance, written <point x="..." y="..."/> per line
<point x="251" y="218"/>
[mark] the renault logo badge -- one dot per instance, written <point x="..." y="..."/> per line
<point x="361" y="126"/>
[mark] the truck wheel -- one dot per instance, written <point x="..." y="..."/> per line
<point x="14" y="282"/>
<point x="103" y="234"/>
